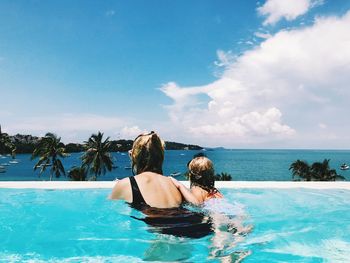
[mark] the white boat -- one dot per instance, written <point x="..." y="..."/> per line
<point x="127" y="167"/>
<point x="344" y="166"/>
<point x="5" y="164"/>
<point x="13" y="162"/>
<point x="46" y="165"/>
<point x="175" y="174"/>
<point x="2" y="169"/>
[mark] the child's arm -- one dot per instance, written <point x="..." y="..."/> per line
<point x="188" y="196"/>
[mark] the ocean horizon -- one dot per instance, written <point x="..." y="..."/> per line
<point x="241" y="164"/>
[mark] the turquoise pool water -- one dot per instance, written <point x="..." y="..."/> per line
<point x="297" y="225"/>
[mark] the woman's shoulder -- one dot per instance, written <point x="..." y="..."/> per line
<point x="119" y="189"/>
<point x="150" y="176"/>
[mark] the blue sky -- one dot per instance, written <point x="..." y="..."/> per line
<point x="203" y="72"/>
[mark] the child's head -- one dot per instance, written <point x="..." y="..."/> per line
<point x="201" y="173"/>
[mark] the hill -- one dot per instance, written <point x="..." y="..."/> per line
<point x="27" y="143"/>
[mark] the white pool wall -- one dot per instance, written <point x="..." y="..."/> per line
<point x="220" y="184"/>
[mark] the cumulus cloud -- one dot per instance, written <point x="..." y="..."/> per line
<point x="285" y="87"/>
<point x="131" y="132"/>
<point x="276" y="10"/>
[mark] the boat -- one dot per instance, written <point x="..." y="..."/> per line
<point x="344" y="166"/>
<point x="5" y="164"/>
<point x="114" y="166"/>
<point x="175" y="174"/>
<point x="127" y="167"/>
<point x="2" y="169"/>
<point x="13" y="162"/>
<point x="46" y="165"/>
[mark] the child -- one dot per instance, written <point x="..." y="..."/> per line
<point x="201" y="175"/>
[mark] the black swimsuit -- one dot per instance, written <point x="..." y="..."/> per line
<point x="172" y="221"/>
<point x="138" y="201"/>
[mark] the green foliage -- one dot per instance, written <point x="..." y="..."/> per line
<point x="300" y="169"/>
<point x="223" y="177"/>
<point x="78" y="173"/>
<point x="218" y="177"/>
<point x="97" y="158"/>
<point x="74" y="148"/>
<point x="49" y="150"/>
<point x="6" y="145"/>
<point x="318" y="171"/>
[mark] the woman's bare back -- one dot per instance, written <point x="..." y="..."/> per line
<point x="157" y="190"/>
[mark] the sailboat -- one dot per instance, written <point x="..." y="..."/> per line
<point x="344" y="166"/>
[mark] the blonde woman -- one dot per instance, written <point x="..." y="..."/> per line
<point x="148" y="187"/>
<point x="202" y="180"/>
<point x="156" y="195"/>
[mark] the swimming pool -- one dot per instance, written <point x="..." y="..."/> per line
<point x="289" y="225"/>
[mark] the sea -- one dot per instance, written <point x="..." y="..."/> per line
<point x="241" y="164"/>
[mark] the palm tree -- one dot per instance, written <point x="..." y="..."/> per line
<point x="223" y="177"/>
<point x="6" y="145"/>
<point x="97" y="159"/>
<point x="318" y="171"/>
<point x="322" y="172"/>
<point x="49" y="150"/>
<point x="78" y="173"/>
<point x="300" y="170"/>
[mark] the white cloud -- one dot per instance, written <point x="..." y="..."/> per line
<point x="293" y="81"/>
<point x="130" y="132"/>
<point x="322" y="125"/>
<point x="275" y="10"/>
<point x="262" y="35"/>
<point x="224" y="58"/>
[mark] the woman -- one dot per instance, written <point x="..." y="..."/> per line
<point x="148" y="187"/>
<point x="202" y="179"/>
<point x="156" y="195"/>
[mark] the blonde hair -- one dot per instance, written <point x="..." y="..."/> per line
<point x="201" y="173"/>
<point x="147" y="154"/>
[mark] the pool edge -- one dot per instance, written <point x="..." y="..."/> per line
<point x="220" y="184"/>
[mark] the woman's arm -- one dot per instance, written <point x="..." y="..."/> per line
<point x="187" y="195"/>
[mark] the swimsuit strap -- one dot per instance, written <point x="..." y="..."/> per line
<point x="137" y="198"/>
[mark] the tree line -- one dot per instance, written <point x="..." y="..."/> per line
<point x="318" y="171"/>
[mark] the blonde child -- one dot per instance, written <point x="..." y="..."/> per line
<point x="202" y="180"/>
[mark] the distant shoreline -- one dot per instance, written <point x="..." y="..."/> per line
<point x="27" y="144"/>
